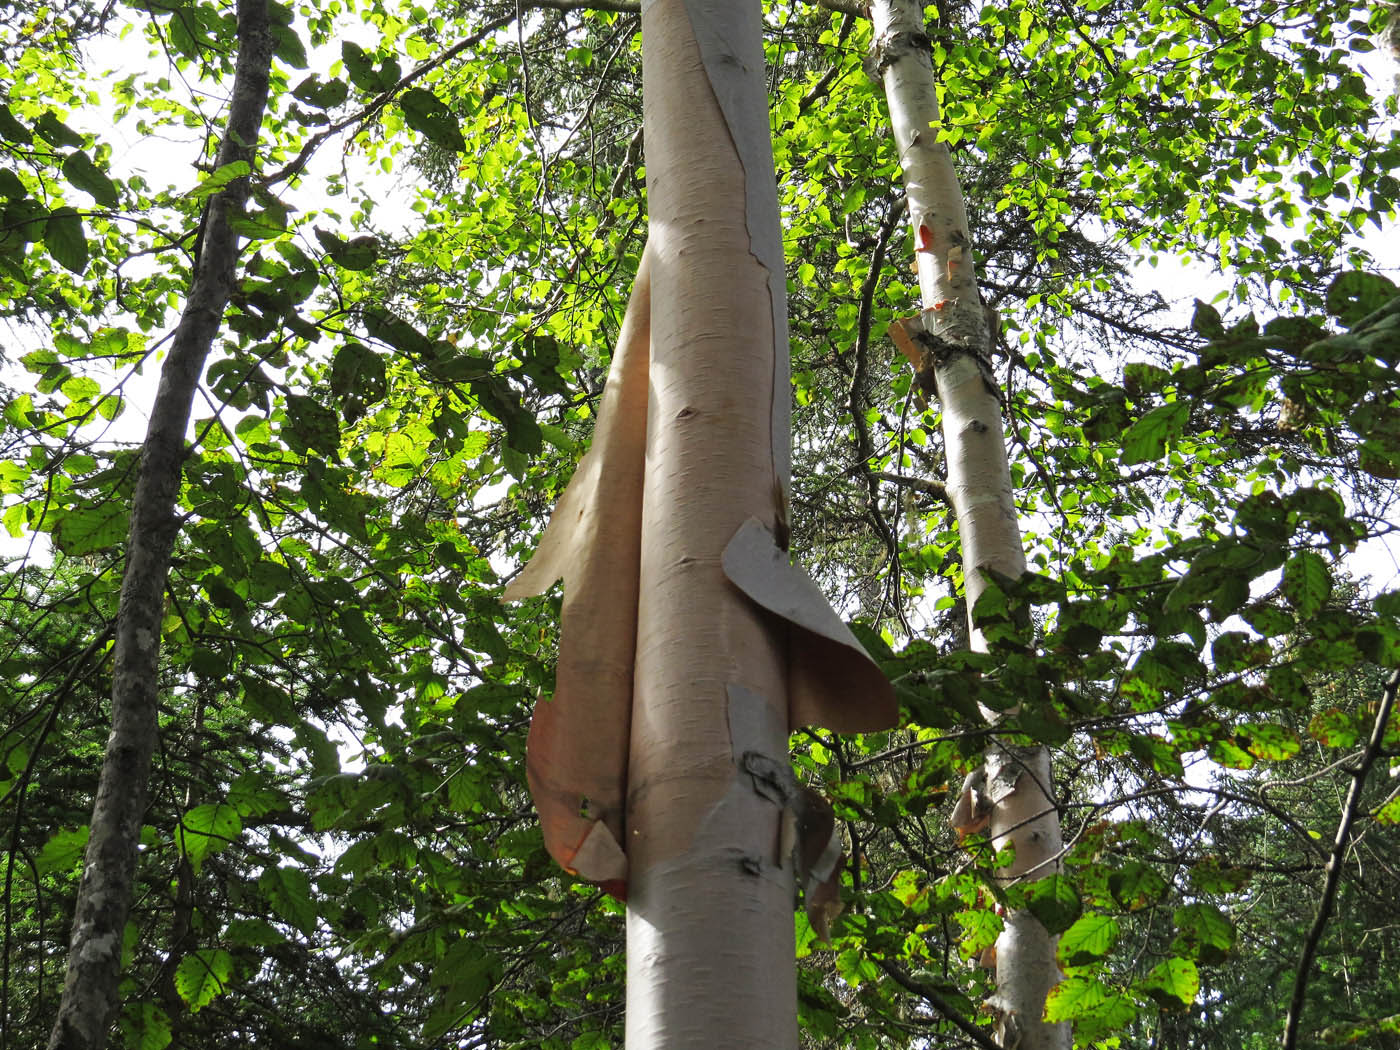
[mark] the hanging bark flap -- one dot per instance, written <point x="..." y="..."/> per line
<point x="832" y="681"/>
<point x="576" y="757"/>
<point x="900" y="332"/>
<point x="600" y="859"/>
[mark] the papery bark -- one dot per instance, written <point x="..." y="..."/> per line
<point x="949" y="347"/>
<point x="734" y="646"/>
<point x="709" y="921"/>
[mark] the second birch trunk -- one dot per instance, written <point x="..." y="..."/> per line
<point x="949" y="348"/>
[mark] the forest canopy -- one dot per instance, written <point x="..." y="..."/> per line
<point x="392" y="268"/>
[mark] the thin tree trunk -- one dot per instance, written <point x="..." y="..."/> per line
<point x="949" y="347"/>
<point x="89" y="1002"/>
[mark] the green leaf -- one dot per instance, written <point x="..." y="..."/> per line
<point x="312" y="426"/>
<point x="1306" y="582"/>
<point x="358" y="254"/>
<point x="22" y="222"/>
<point x="1172" y="983"/>
<point x="79" y="169"/>
<point x="360" y="67"/>
<point x="11" y="130"/>
<point x="399" y="334"/>
<point x="207" y="829"/>
<point x="203" y="975"/>
<point x="540" y="356"/>
<point x="1089" y="938"/>
<point x="1213" y="875"/>
<point x="1229" y="754"/>
<point x="1203" y="933"/>
<point x="981" y="927"/>
<point x="145" y="1027"/>
<point x="55" y="132"/>
<point x="1272" y="743"/>
<point x="1206" y="321"/>
<point x="1147" y="439"/>
<point x="1093" y="1007"/>
<point x="63" y="851"/>
<point x="357" y="379"/>
<point x="1054" y="900"/>
<point x="219" y="178"/>
<point x="1136" y="885"/>
<point x="66" y="239"/>
<point x="1334" y="727"/>
<point x="252" y="933"/>
<point x="1140" y="378"/>
<point x="1349" y="1033"/>
<point x="289" y="47"/>
<point x="80" y="531"/>
<point x="11" y="188"/>
<point x="289" y="892"/>
<point x="1390" y="812"/>
<point x="522" y="431"/>
<point x="425" y="113"/>
<point x="1353" y="295"/>
<point x="320" y="93"/>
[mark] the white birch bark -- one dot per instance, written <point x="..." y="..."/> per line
<point x="709" y="918"/>
<point x="734" y="645"/>
<point x="952" y="349"/>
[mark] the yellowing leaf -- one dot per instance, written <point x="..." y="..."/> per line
<point x="202" y="975"/>
<point x="1173" y="982"/>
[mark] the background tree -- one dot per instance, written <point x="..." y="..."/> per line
<point x="104" y="899"/>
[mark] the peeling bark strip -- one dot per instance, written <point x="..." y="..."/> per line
<point x="577" y="753"/>
<point x="89" y="1002"/>
<point x="1012" y="799"/>
<point x="696" y="413"/>
<point x="682" y="613"/>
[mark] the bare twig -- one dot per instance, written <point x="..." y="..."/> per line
<point x="1340" y="844"/>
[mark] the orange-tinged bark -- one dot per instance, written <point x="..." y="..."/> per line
<point x="948" y="345"/>
<point x="733" y="645"/>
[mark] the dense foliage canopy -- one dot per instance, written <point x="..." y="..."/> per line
<point x="447" y="208"/>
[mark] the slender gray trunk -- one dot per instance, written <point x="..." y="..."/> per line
<point x="89" y="1002"/>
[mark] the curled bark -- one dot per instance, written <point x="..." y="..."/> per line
<point x="948" y="344"/>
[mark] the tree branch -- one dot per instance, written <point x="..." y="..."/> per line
<point x="855" y="396"/>
<point x="951" y="1013"/>
<point x="1340" y="844"/>
<point x="924" y="485"/>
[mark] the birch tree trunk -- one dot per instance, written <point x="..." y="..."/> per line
<point x="89" y="1001"/>
<point x="949" y="346"/>
<point x="710" y="948"/>
<point x="689" y="645"/>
